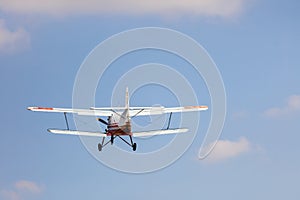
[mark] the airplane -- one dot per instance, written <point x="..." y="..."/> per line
<point x="118" y="123"/>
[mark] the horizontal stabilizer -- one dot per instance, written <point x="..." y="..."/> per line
<point x="75" y="132"/>
<point x="160" y="132"/>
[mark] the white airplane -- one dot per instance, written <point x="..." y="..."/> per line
<point x="119" y="121"/>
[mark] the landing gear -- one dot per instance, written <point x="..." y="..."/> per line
<point x="112" y="139"/>
<point x="100" y="147"/>
<point x="134" y="146"/>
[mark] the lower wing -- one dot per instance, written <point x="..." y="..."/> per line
<point x="75" y="132"/>
<point x="134" y="134"/>
<point x="159" y="132"/>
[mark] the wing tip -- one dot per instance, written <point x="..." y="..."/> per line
<point x="30" y="108"/>
<point x="36" y="108"/>
<point x="196" y="107"/>
<point x="50" y="130"/>
<point x="185" y="130"/>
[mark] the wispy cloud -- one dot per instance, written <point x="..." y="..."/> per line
<point x="21" y="189"/>
<point x="222" y="8"/>
<point x="292" y="106"/>
<point x="226" y="149"/>
<point x="12" y="41"/>
<point x="9" y="195"/>
<point x="28" y="186"/>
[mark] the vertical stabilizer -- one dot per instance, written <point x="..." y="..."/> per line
<point x="124" y="122"/>
<point x="127" y="99"/>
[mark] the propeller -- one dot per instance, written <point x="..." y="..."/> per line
<point x="102" y="121"/>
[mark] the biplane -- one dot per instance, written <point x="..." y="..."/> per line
<point x="118" y="124"/>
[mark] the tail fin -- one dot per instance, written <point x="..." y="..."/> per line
<point x="124" y="118"/>
<point x="127" y="98"/>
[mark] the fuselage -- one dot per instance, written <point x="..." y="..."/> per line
<point x="119" y="124"/>
<point x="116" y="129"/>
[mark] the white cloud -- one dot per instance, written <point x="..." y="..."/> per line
<point x="9" y="195"/>
<point x="12" y="41"/>
<point x="21" y="189"/>
<point x="223" y="8"/>
<point x="292" y="106"/>
<point x="226" y="149"/>
<point x="28" y="186"/>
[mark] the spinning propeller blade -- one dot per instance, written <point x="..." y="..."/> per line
<point x="102" y="121"/>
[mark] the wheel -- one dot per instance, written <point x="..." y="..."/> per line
<point x="112" y="139"/>
<point x="134" y="146"/>
<point x="99" y="147"/>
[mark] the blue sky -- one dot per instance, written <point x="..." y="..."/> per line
<point x="255" y="45"/>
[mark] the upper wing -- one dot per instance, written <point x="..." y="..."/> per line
<point x="133" y="111"/>
<point x="89" y="112"/>
<point x="160" y="132"/>
<point x="163" y="110"/>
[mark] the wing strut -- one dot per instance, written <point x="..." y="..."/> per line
<point x="65" y="114"/>
<point x="169" y="121"/>
<point x="138" y="113"/>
